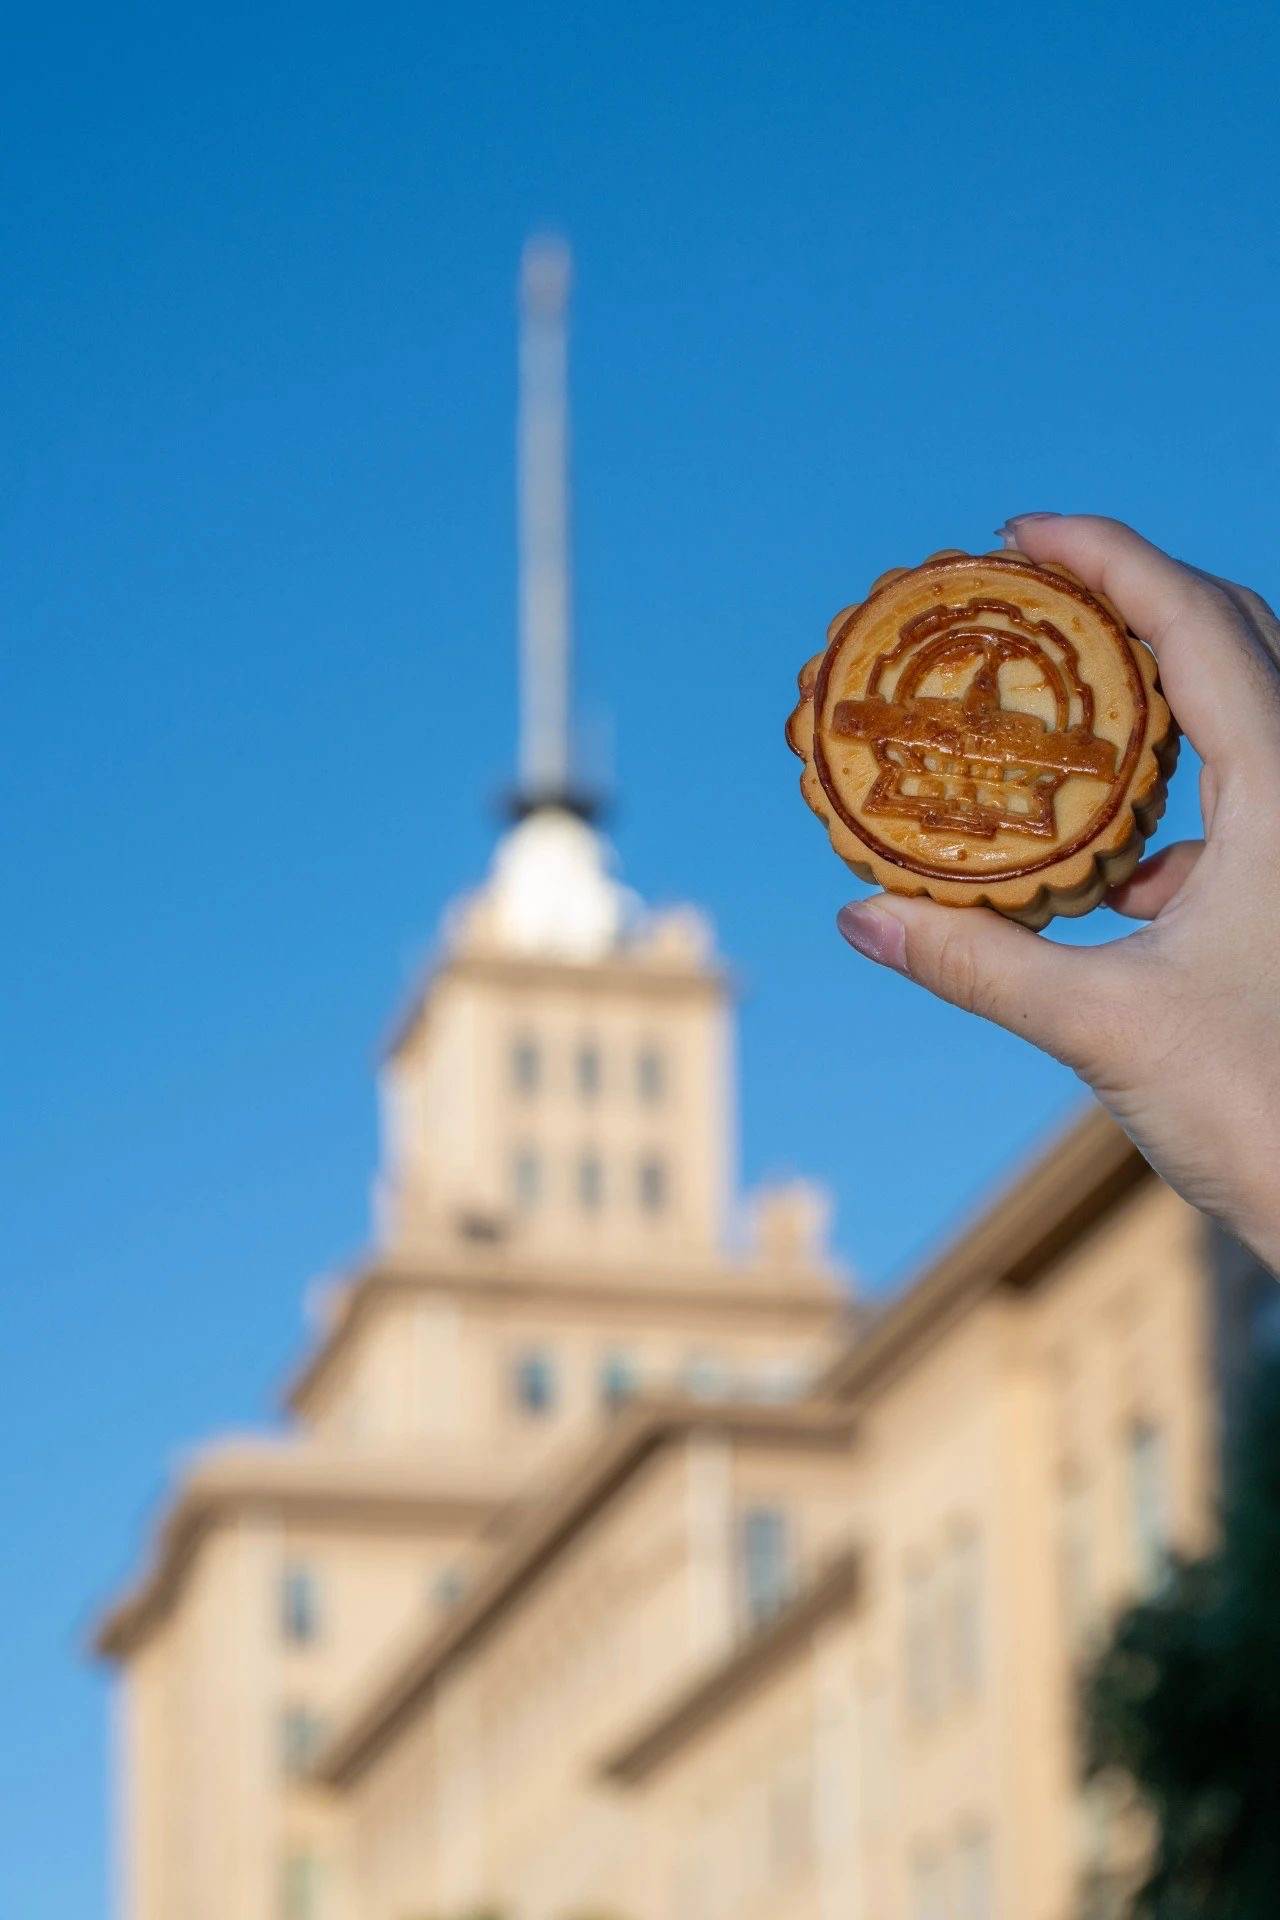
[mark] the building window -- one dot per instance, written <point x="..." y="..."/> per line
<point x="964" y="1606"/>
<point x="301" y="1732"/>
<point x="590" y="1182"/>
<point x="928" y="1886"/>
<point x="767" y="1563"/>
<point x="526" y="1178"/>
<point x="299" y="1605"/>
<point x="535" y="1382"/>
<point x="300" y="1888"/>
<point x="1076" y="1556"/>
<point x="526" y="1064"/>
<point x="973" y="1876"/>
<point x="651" y="1076"/>
<point x="921" y="1642"/>
<point x="779" y="1381"/>
<point x="652" y="1185"/>
<point x="589" y="1075"/>
<point x="706" y="1377"/>
<point x="447" y="1588"/>
<point x="617" y="1379"/>
<point x="1149" y="1507"/>
<point x="791" y="1816"/>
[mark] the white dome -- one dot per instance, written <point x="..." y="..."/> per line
<point x="551" y="890"/>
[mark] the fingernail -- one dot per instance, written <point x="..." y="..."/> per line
<point x="1009" y="531"/>
<point x="879" y="935"/>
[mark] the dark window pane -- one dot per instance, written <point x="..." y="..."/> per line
<point x="526" y="1177"/>
<point x="589" y="1073"/>
<point x="651" y="1078"/>
<point x="299" y="1605"/>
<point x="653" y="1185"/>
<point x="301" y="1731"/>
<point x="766" y="1562"/>
<point x="617" y="1379"/>
<point x="526" y="1065"/>
<point x="300" y="1887"/>
<point x="590" y="1182"/>
<point x="535" y="1382"/>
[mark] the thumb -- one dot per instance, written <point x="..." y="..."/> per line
<point x="988" y="965"/>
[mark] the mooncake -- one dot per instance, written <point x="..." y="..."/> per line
<point x="986" y="730"/>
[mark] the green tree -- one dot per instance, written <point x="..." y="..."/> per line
<point x="1185" y="1702"/>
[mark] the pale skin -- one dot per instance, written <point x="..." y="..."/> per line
<point x="1176" y="1027"/>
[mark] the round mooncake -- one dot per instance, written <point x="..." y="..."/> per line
<point x="986" y="730"/>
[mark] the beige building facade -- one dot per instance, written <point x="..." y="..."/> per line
<point x="820" y="1660"/>
<point x="551" y="1250"/>
<point x="617" y="1565"/>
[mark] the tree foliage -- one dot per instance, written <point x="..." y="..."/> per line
<point x="1185" y="1701"/>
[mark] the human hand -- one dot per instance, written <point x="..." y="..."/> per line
<point x="1177" y="1027"/>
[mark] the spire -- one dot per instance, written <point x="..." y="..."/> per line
<point x="546" y="636"/>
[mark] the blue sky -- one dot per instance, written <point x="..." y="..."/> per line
<point x="853" y="283"/>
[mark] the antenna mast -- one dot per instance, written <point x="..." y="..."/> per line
<point x="546" y="638"/>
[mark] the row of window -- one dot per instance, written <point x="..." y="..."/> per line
<point x="746" y="1846"/>
<point x="1149" y="1531"/>
<point x="942" y="1616"/>
<point x="301" y="1623"/>
<point x="647" y="1070"/>
<point x="537" y="1383"/>
<point x="592" y="1185"/>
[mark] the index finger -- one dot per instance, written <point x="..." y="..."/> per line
<point x="1223" y="696"/>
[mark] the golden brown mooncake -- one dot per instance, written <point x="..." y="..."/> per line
<point x="986" y="730"/>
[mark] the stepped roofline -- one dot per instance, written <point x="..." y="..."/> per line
<point x="502" y="1273"/>
<point x="300" y="1478"/>
<point x="838" y="1585"/>
<point x="542" y="1534"/>
<point x="1067" y="1188"/>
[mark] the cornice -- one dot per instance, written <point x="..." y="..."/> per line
<point x="698" y="1705"/>
<point x="1013" y="1243"/>
<point x="813" y="1296"/>
<point x="544" y="1533"/>
<point x="246" y="1477"/>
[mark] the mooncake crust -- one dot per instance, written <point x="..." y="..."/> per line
<point x="984" y="729"/>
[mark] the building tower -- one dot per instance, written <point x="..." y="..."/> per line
<point x="552" y="1238"/>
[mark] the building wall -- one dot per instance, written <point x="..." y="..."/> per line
<point x="927" y="1510"/>
<point x="202" y="1783"/>
<point x="457" y="1115"/>
<point x="755" y="1817"/>
<point x="490" y="1794"/>
<point x="927" y="1735"/>
<point x="1113" y="1347"/>
<point x="437" y="1368"/>
<point x="494" y="1790"/>
<point x="213" y="1816"/>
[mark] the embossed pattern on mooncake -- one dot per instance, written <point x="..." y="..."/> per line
<point x="985" y="730"/>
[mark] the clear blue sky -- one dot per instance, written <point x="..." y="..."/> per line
<point x="853" y="283"/>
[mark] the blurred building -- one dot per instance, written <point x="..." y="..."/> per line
<point x="616" y="1564"/>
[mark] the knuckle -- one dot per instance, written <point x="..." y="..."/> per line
<point x="1212" y="597"/>
<point x="1254" y="604"/>
<point x="956" y="968"/>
